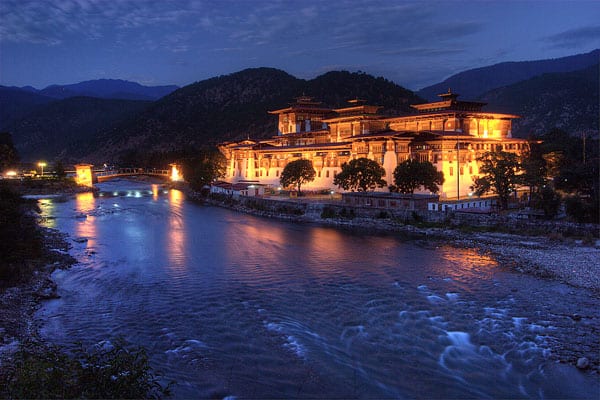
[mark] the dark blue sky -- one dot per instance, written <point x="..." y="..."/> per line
<point x="162" y="42"/>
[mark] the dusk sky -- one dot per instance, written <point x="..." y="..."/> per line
<point x="415" y="44"/>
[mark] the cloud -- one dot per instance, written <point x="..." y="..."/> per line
<point x="574" y="37"/>
<point x="53" y="22"/>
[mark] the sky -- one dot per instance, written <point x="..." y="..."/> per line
<point x="162" y="42"/>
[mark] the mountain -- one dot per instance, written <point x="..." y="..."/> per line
<point x="473" y="83"/>
<point x="236" y="106"/>
<point x="108" y="89"/>
<point x="16" y="103"/>
<point x="567" y="100"/>
<point x="62" y="128"/>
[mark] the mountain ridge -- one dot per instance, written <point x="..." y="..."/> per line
<point x="564" y="100"/>
<point x="105" y="89"/>
<point x="473" y="83"/>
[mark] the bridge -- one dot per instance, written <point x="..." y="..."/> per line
<point x="85" y="175"/>
<point x="104" y="175"/>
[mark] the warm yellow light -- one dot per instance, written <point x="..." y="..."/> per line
<point x="11" y="173"/>
<point x="42" y="164"/>
<point x="175" y="174"/>
<point x="84" y="174"/>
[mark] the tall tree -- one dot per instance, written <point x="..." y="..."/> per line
<point x="203" y="168"/>
<point x="360" y="175"/>
<point x="297" y="173"/>
<point x="59" y="170"/>
<point x="412" y="174"/>
<point x="8" y="154"/>
<point x="534" y="169"/>
<point x="501" y="175"/>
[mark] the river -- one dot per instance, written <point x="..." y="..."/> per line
<point x="229" y="304"/>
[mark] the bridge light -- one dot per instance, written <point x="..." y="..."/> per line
<point x="175" y="174"/>
<point x="83" y="174"/>
<point x="42" y="164"/>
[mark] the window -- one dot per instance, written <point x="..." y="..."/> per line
<point x="256" y="174"/>
<point x="319" y="173"/>
<point x="470" y="170"/>
<point x="327" y="174"/>
<point x="451" y="171"/>
<point x="462" y="171"/>
<point x="277" y="173"/>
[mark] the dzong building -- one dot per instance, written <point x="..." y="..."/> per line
<point x="449" y="133"/>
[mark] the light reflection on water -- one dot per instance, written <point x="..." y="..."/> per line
<point x="230" y="304"/>
<point x="176" y="234"/>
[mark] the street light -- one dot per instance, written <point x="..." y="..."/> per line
<point x="42" y="165"/>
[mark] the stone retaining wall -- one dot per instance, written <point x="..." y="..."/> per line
<point x="323" y="211"/>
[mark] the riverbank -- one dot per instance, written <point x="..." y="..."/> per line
<point x="20" y="301"/>
<point x="573" y="260"/>
<point x="46" y="187"/>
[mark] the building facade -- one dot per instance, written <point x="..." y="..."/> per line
<point x="450" y="134"/>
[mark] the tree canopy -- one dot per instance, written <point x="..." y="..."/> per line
<point x="203" y="168"/>
<point x="412" y="174"/>
<point x="297" y="173"/>
<point x="500" y="175"/>
<point x="8" y="154"/>
<point x="360" y="175"/>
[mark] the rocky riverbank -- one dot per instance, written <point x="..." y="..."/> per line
<point x="19" y="302"/>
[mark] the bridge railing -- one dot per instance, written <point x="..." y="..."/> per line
<point x="132" y="171"/>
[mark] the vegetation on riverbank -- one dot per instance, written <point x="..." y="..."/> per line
<point x="21" y="242"/>
<point x="110" y="371"/>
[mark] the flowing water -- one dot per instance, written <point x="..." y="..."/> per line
<point x="228" y="304"/>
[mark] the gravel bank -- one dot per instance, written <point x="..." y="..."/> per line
<point x="19" y="303"/>
<point x="570" y="261"/>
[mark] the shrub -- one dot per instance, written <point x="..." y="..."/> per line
<point x="348" y="214"/>
<point x="109" y="372"/>
<point x="416" y="217"/>
<point x="582" y="210"/>
<point x="328" y="212"/>
<point x="382" y="215"/>
<point x="20" y="238"/>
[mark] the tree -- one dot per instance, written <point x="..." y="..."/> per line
<point x="297" y="172"/>
<point x="548" y="201"/>
<point x="412" y="174"/>
<point x="8" y="154"/>
<point x="360" y="174"/>
<point x="59" y="169"/>
<point x="534" y="169"/>
<point x="500" y="171"/>
<point x="203" y="168"/>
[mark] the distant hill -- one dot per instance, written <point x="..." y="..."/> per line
<point x="107" y="89"/>
<point x="473" y="83"/>
<point x="235" y="107"/>
<point x="62" y="128"/>
<point x="567" y="100"/>
<point x="16" y="103"/>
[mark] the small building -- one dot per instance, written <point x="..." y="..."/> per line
<point x="470" y="205"/>
<point x="249" y="189"/>
<point x="391" y="201"/>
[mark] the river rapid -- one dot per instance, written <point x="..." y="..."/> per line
<point x="229" y="304"/>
